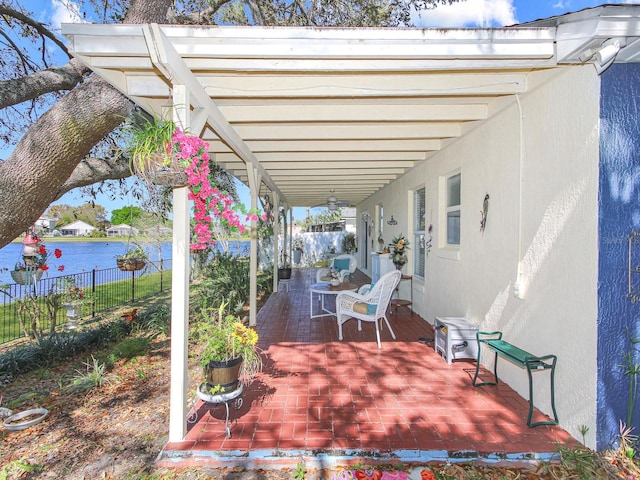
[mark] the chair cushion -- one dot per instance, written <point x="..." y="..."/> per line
<point x="365" y="308"/>
<point x="341" y="264"/>
<point x="326" y="278"/>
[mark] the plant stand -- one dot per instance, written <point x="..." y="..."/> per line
<point x="218" y="398"/>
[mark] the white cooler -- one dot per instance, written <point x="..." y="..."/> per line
<point x="455" y="338"/>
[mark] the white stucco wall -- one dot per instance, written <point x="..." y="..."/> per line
<point x="542" y="217"/>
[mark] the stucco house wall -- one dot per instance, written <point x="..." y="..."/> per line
<point x="537" y="158"/>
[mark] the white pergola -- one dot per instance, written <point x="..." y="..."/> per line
<point x="301" y="113"/>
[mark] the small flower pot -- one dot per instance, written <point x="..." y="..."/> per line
<point x="284" y="273"/>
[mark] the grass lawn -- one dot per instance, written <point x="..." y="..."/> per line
<point x="107" y="296"/>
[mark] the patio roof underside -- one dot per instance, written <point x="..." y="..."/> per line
<point x="346" y="111"/>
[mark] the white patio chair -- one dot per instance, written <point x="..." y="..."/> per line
<point x="344" y="264"/>
<point x="369" y="307"/>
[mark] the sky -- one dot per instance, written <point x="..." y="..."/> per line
<point x="468" y="13"/>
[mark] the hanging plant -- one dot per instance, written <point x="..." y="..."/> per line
<point x="186" y="157"/>
<point x="152" y="156"/>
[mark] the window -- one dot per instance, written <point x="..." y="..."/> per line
<point x="453" y="210"/>
<point x="420" y="207"/>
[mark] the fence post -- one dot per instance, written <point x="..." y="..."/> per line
<point x="93" y="292"/>
<point x="133" y="285"/>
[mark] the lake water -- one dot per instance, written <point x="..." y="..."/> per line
<point x="80" y="256"/>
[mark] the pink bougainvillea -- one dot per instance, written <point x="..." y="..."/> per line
<point x="209" y="203"/>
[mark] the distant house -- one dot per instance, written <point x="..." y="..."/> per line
<point x="44" y="224"/>
<point x="76" y="229"/>
<point x="122" y="230"/>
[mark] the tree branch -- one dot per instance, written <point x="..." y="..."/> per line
<point x="93" y="170"/>
<point x="18" y="90"/>
<point x="39" y="27"/>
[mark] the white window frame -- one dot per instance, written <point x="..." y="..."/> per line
<point x="446" y="249"/>
<point x="419" y="232"/>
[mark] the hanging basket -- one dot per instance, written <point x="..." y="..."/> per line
<point x="26" y="277"/>
<point x="163" y="170"/>
<point x="130" y="264"/>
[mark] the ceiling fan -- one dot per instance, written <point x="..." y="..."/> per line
<point x="334" y="203"/>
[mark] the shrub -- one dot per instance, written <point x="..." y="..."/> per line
<point x="132" y="347"/>
<point x="155" y="320"/>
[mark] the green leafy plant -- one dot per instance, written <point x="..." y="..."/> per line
<point x="583" y="431"/>
<point x="301" y="471"/>
<point x="20" y="467"/>
<point x="298" y="243"/>
<point x="133" y="251"/>
<point x="95" y="375"/>
<point x="150" y="137"/>
<point x="349" y="243"/>
<point x="155" y="320"/>
<point x="226" y="338"/>
<point x="132" y="347"/>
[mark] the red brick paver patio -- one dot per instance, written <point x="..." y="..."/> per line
<point x="318" y="396"/>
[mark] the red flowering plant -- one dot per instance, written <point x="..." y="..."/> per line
<point x="37" y="256"/>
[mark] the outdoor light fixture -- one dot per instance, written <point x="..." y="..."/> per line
<point x="393" y="221"/>
<point x="604" y="56"/>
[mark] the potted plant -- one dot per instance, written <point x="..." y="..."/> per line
<point x="298" y="249"/>
<point x="135" y="258"/>
<point x="73" y="297"/>
<point x="284" y="268"/>
<point x="230" y="351"/>
<point x="162" y="153"/>
<point x="399" y="246"/>
<point x="35" y="257"/>
<point x="349" y="243"/>
<point x="153" y="153"/>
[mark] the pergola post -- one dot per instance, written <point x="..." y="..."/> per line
<point x="254" y="187"/>
<point x="179" y="288"/>
<point x="276" y="239"/>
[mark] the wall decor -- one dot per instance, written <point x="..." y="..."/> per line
<point x="483" y="213"/>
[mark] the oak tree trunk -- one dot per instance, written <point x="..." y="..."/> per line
<point x="41" y="166"/>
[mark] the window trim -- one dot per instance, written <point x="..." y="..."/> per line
<point x="417" y="232"/>
<point x="448" y="250"/>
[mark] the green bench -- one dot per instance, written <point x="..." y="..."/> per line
<point x="522" y="358"/>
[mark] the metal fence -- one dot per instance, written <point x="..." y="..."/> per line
<point x="22" y="305"/>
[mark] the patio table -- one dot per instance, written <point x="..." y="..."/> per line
<point x="322" y="290"/>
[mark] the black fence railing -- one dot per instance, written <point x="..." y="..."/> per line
<point x="38" y="305"/>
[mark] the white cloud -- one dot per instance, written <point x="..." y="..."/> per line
<point x="64" y="11"/>
<point x="468" y="13"/>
